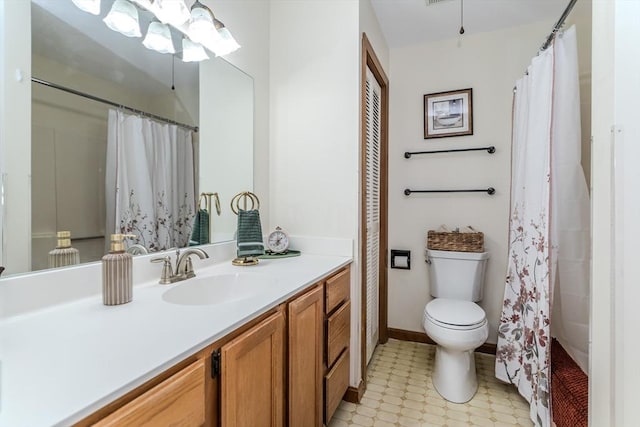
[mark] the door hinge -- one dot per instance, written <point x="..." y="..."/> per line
<point x="215" y="363"/>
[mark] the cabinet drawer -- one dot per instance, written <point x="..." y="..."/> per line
<point x="338" y="332"/>
<point x="336" y="383"/>
<point x="178" y="400"/>
<point x="337" y="290"/>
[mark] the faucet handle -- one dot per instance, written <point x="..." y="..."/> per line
<point x="166" y="276"/>
<point x="188" y="269"/>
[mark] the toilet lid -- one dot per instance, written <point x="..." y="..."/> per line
<point x="455" y="312"/>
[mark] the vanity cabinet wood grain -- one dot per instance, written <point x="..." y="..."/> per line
<point x="306" y="326"/>
<point x="179" y="401"/>
<point x="338" y="332"/>
<point x="252" y="376"/>
<point x="336" y="384"/>
<point x="337" y="289"/>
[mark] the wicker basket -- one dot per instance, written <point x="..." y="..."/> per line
<point x="455" y="241"/>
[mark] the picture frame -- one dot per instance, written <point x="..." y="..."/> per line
<point x="448" y="113"/>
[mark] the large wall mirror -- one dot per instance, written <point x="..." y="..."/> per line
<point x="71" y="152"/>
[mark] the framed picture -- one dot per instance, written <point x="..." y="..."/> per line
<point x="448" y="114"/>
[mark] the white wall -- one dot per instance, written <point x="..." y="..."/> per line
<point x="490" y="63"/>
<point x="314" y="117"/>
<point x="3" y="73"/>
<point x="613" y="378"/>
<point x="15" y="133"/>
<point x="371" y="27"/>
<point x="314" y="107"/>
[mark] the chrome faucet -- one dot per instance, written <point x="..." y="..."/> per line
<point x="184" y="267"/>
<point x="183" y="261"/>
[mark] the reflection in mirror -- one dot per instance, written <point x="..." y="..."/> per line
<point x="70" y="132"/>
<point x="226" y="135"/>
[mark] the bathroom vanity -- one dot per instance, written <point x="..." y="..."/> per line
<point x="271" y="356"/>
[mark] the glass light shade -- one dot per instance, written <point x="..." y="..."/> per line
<point x="172" y="11"/>
<point x="123" y="18"/>
<point x="226" y="43"/>
<point x="159" y="38"/>
<point x="201" y="27"/>
<point x="91" y="6"/>
<point x="192" y="52"/>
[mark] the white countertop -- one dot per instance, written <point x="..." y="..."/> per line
<point x="62" y="363"/>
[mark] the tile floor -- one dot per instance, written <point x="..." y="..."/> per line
<point x="400" y="393"/>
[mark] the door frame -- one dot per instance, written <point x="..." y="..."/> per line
<point x="370" y="60"/>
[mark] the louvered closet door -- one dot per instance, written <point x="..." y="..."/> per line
<point x="373" y="108"/>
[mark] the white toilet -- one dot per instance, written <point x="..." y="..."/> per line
<point x="454" y="321"/>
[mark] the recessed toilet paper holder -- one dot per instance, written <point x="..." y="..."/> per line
<point x="401" y="259"/>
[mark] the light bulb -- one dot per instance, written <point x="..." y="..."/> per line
<point x="172" y="11"/>
<point x="159" y="38"/>
<point x="123" y="18"/>
<point x="225" y="44"/>
<point x="201" y="27"/>
<point x="192" y="52"/>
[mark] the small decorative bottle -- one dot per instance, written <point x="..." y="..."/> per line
<point x="63" y="254"/>
<point x="117" y="272"/>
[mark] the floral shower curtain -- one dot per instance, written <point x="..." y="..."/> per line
<point x="150" y="184"/>
<point x="545" y="170"/>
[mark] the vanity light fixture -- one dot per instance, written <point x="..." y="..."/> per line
<point x="159" y="38"/>
<point x="192" y="52"/>
<point x="91" y="6"/>
<point x="200" y="26"/>
<point x="174" y="12"/>
<point x="123" y="18"/>
<point x="226" y="43"/>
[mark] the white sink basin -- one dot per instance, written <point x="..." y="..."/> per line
<point x="219" y="289"/>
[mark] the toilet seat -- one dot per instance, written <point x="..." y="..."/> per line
<point x="455" y="314"/>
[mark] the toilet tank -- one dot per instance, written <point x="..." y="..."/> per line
<point x="457" y="275"/>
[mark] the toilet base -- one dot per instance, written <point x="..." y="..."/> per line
<point x="454" y="375"/>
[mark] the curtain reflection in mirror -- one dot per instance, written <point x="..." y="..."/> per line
<point x="150" y="184"/>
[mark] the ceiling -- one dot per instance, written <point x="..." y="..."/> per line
<point x="407" y="22"/>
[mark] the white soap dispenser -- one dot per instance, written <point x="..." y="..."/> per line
<point x="117" y="272"/>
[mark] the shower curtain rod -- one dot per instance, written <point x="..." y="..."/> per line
<point x="113" y="104"/>
<point x="558" y="25"/>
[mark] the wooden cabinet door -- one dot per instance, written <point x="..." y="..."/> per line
<point x="252" y="378"/>
<point x="306" y="316"/>
<point x="177" y="401"/>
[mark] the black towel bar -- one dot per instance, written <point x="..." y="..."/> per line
<point x="490" y="191"/>
<point x="490" y="150"/>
